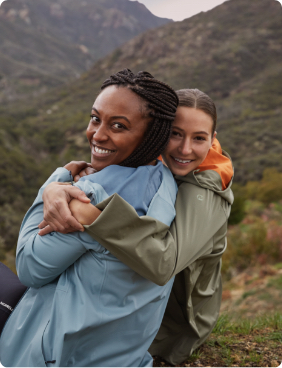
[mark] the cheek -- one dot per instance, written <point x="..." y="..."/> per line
<point x="132" y="141"/>
<point x="89" y="132"/>
<point x="171" y="147"/>
<point x="203" y="151"/>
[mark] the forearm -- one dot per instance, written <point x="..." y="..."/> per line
<point x="84" y="213"/>
<point x="40" y="259"/>
<point x="151" y="248"/>
<point x="144" y="244"/>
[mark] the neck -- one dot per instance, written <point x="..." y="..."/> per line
<point x="153" y="163"/>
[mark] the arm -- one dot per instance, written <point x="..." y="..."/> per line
<point x="57" y="196"/>
<point x="84" y="213"/>
<point x="41" y="259"/>
<point x="148" y="246"/>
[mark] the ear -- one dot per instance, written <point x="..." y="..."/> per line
<point x="214" y="136"/>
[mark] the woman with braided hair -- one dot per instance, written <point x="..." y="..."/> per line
<point x="191" y="250"/>
<point x="84" y="307"/>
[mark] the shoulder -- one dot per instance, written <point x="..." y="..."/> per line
<point x="162" y="205"/>
<point x="199" y="201"/>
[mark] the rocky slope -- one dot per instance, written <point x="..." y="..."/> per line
<point x="45" y="43"/>
<point x="232" y="52"/>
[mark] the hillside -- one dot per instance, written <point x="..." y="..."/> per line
<point x="46" y="43"/>
<point x="232" y="52"/>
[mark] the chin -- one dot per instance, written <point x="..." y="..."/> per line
<point x="180" y="172"/>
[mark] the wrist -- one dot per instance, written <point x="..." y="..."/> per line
<point x="84" y="213"/>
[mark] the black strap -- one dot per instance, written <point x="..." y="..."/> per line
<point x="11" y="291"/>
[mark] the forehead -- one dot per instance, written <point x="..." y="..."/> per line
<point x="191" y="120"/>
<point x="118" y="101"/>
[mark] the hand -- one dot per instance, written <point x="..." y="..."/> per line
<point x="57" y="214"/>
<point x="87" y="171"/>
<point x="75" y="167"/>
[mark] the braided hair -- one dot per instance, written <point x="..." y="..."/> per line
<point x="161" y="104"/>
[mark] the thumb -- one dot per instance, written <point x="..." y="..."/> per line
<point x="83" y="198"/>
<point x="79" y="194"/>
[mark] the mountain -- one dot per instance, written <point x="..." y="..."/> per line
<point x="232" y="52"/>
<point x="45" y="43"/>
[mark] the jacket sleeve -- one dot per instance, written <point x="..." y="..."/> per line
<point x="151" y="248"/>
<point x="40" y="259"/>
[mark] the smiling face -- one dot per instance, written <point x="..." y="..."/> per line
<point x="190" y="140"/>
<point x="117" y="126"/>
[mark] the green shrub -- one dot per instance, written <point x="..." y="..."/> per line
<point x="268" y="190"/>
<point x="238" y="207"/>
<point x="255" y="240"/>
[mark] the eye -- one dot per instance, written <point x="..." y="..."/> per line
<point x="200" y="138"/>
<point x="119" y="126"/>
<point x="94" y="119"/>
<point x="175" y="134"/>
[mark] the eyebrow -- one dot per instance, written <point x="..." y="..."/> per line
<point x="201" y="132"/>
<point x="114" y="117"/>
<point x="93" y="109"/>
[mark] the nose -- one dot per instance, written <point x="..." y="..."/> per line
<point x="100" y="133"/>
<point x="186" y="147"/>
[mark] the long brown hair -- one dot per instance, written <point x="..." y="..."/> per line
<point x="198" y="100"/>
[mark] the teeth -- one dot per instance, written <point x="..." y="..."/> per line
<point x="98" y="150"/>
<point x="182" y="161"/>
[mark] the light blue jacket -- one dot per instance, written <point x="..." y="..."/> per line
<point x="84" y="307"/>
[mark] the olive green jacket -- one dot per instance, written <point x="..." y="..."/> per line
<point x="191" y="249"/>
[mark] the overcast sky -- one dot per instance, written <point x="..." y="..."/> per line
<point x="179" y="9"/>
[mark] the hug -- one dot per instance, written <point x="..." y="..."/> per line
<point x="128" y="259"/>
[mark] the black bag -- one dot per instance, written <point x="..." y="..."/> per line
<point x="11" y="291"/>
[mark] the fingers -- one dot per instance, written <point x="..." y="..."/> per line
<point x="42" y="224"/>
<point x="87" y="171"/>
<point x="46" y="230"/>
<point x="63" y="221"/>
<point x="83" y="173"/>
<point x="57" y="214"/>
<point x="74" y="192"/>
<point x="90" y="170"/>
<point x="76" y="178"/>
<point x="76" y="166"/>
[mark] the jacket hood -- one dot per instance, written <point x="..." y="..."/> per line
<point x="215" y="173"/>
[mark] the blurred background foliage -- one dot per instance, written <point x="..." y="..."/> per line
<point x="255" y="225"/>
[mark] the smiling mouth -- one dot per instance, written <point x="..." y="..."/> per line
<point x="102" y="151"/>
<point x="181" y="161"/>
